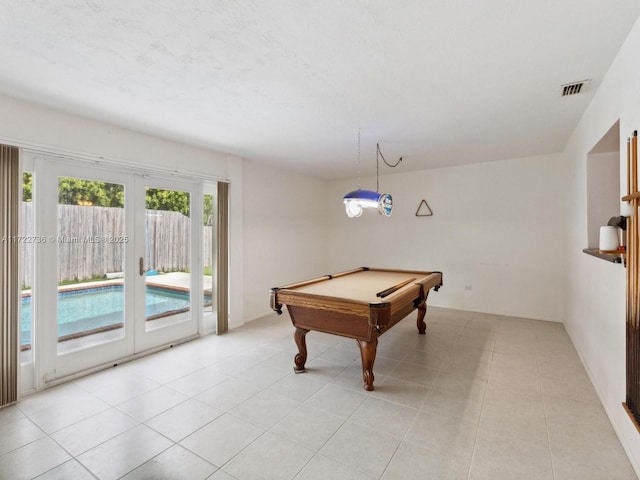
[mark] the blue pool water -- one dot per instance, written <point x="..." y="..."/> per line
<point x="87" y="309"/>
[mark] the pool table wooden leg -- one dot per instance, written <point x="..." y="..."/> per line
<point x="421" y="305"/>
<point x="301" y="356"/>
<point x="422" y="310"/>
<point x="368" y="354"/>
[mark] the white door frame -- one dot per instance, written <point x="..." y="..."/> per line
<point x="48" y="366"/>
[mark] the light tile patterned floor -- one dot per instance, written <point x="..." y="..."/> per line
<point x="478" y="397"/>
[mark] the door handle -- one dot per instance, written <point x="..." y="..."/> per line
<point x="141" y="266"/>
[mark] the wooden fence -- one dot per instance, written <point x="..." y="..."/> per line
<point x="91" y="242"/>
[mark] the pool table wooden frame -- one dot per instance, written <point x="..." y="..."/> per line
<point x="316" y="305"/>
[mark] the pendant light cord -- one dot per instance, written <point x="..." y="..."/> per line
<point x="358" y="159"/>
<point x="378" y="156"/>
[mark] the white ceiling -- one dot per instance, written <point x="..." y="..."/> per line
<point x="290" y="82"/>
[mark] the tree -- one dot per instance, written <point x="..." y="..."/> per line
<point x="168" y="200"/>
<point x="74" y="191"/>
<point x="208" y="210"/>
<point x="27" y="187"/>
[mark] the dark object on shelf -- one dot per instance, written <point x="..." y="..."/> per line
<point x="620" y="222"/>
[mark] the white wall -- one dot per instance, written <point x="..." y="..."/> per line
<point x="235" y="172"/>
<point x="285" y="232"/>
<point x="603" y="178"/>
<point x="496" y="234"/>
<point x="25" y="123"/>
<point x="595" y="313"/>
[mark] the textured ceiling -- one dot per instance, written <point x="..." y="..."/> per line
<point x="291" y="82"/>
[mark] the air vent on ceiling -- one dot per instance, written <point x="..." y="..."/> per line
<point x="574" y="88"/>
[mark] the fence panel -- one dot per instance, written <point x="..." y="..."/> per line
<point x="168" y="240"/>
<point x="86" y="249"/>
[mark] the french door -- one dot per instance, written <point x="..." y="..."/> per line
<point x="114" y="255"/>
<point x="166" y="233"/>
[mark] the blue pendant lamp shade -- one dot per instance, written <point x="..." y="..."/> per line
<point x="357" y="200"/>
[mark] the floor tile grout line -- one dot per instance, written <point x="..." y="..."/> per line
<point x="546" y="420"/>
<point x="417" y="413"/>
<point x="175" y="444"/>
<point x="178" y="443"/>
<point x="75" y="457"/>
<point x="367" y="395"/>
<point x="266" y="430"/>
<point x="403" y="439"/>
<point x="475" y="439"/>
<point x="139" y="423"/>
<point x="269" y="430"/>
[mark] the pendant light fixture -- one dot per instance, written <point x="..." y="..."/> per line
<point x="359" y="199"/>
<point x="355" y="202"/>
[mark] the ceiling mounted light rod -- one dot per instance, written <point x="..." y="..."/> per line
<point x="359" y="199"/>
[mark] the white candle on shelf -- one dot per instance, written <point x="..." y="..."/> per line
<point x="609" y="239"/>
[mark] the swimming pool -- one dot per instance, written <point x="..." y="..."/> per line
<point x="89" y="309"/>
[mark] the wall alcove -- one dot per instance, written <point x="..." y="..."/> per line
<point x="603" y="190"/>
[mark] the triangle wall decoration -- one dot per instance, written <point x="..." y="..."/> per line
<point x="424" y="210"/>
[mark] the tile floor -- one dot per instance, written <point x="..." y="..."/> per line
<point x="478" y="397"/>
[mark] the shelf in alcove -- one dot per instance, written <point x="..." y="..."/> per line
<point x="612" y="256"/>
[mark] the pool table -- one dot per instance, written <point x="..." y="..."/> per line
<point x="362" y="304"/>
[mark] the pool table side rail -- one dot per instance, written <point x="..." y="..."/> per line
<point x="341" y="323"/>
<point x="320" y="279"/>
<point x="320" y="302"/>
<point x="416" y="292"/>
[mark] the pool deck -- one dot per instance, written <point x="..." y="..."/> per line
<point x="177" y="280"/>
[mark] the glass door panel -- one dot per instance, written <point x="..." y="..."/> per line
<point x="165" y="240"/>
<point x="207" y="252"/>
<point x="209" y="258"/>
<point x="167" y="248"/>
<point x="26" y="268"/>
<point x="82" y="288"/>
<point x="91" y="240"/>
